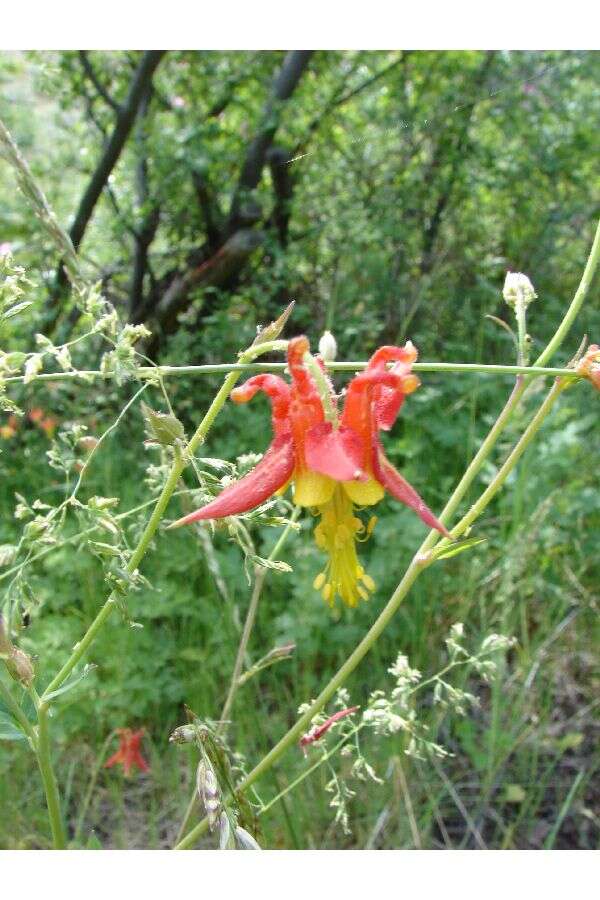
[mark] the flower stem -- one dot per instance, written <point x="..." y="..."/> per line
<point x="537" y="371"/>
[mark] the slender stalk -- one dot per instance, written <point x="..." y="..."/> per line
<point x="50" y="786"/>
<point x="576" y="303"/>
<point x="254" y="368"/>
<point x="422" y="557"/>
<point x="521" y="316"/>
<point x="511" y="461"/>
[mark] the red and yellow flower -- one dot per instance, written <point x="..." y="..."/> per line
<point x="335" y="463"/>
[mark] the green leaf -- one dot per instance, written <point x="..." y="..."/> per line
<point x="15" y="310"/>
<point x="455" y="549"/>
<point x="71" y="682"/>
<point x="162" y="428"/>
<point x="9" y="731"/>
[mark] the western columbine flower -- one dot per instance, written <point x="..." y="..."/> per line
<point x="332" y="464"/>
<point x="128" y="754"/>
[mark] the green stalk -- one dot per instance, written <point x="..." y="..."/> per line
<point x="50" y="786"/>
<point x="538" y="371"/>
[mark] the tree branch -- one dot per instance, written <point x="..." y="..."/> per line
<point x="91" y="74"/>
<point x="284" y="86"/>
<point x="115" y="144"/>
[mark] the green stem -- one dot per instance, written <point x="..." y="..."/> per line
<point x="521" y="316"/>
<point x="538" y="371"/>
<point x="511" y="461"/>
<point x="576" y="303"/>
<point x="50" y="786"/>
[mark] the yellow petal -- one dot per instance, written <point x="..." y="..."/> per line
<point x="313" y="489"/>
<point x="364" y="493"/>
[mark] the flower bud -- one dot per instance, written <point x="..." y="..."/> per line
<point x="88" y="443"/>
<point x="184" y="734"/>
<point x="20" y="667"/>
<point x="327" y="347"/>
<point x="518" y="289"/>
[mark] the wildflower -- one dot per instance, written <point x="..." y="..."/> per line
<point x="333" y="463"/>
<point x="589" y="366"/>
<point x="129" y="753"/>
<point x="316" y="733"/>
<point x="9" y="430"/>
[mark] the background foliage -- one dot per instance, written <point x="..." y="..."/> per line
<point x="387" y="193"/>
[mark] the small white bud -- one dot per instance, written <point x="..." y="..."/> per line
<point x="327" y="347"/>
<point x="518" y="288"/>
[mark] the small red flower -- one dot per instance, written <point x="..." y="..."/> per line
<point x="333" y="464"/>
<point x="128" y="754"/>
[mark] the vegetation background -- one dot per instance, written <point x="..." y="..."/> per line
<point x="387" y="193"/>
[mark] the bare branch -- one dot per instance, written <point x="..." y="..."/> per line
<point x="91" y="74"/>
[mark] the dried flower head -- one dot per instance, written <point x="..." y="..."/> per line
<point x="589" y="365"/>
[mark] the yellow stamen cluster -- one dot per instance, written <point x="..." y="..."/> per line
<point x="336" y="534"/>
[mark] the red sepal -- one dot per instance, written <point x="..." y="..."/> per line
<point x="271" y="473"/>
<point x="399" y="488"/>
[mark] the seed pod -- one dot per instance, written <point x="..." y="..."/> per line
<point x="208" y="791"/>
<point x="225" y="840"/>
<point x="20" y="667"/>
<point x="184" y="734"/>
<point x="518" y="289"/>
<point x="18" y="663"/>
